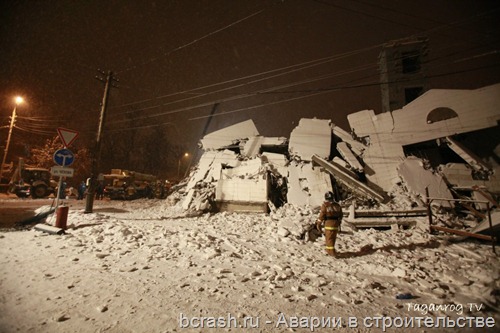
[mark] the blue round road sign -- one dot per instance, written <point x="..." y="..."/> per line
<point x="64" y="157"/>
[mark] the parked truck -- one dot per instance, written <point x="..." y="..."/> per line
<point x="31" y="181"/>
<point x="129" y="185"/>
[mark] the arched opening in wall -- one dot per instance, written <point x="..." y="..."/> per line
<point x="440" y="114"/>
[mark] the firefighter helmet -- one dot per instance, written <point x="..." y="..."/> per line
<point x="329" y="196"/>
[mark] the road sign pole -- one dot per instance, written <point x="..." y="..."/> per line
<point x="60" y="184"/>
<point x="58" y="191"/>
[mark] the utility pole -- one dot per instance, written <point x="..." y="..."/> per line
<point x="89" y="204"/>
<point x="12" y="122"/>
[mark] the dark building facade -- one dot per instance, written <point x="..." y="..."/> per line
<point x="402" y="72"/>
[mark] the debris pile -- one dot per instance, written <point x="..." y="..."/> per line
<point x="396" y="162"/>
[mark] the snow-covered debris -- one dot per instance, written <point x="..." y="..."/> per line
<point x="349" y="179"/>
<point x="252" y="146"/>
<point x="312" y="136"/>
<point x="230" y="135"/>
<point x="417" y="179"/>
<point x="307" y="184"/>
<point x="277" y="162"/>
<point x="459" y="175"/>
<point x="366" y="163"/>
<point x="346" y="152"/>
<point x="421" y="121"/>
<point x="243" y="188"/>
<point x="112" y="268"/>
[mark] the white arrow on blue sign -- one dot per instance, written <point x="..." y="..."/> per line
<point x="64" y="157"/>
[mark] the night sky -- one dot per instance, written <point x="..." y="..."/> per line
<point x="272" y="61"/>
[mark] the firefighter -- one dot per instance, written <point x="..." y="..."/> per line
<point x="331" y="216"/>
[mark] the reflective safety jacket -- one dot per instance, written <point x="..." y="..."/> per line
<point x="330" y="211"/>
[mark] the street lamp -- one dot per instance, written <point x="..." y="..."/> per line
<point x="18" y="100"/>
<point x="179" y="167"/>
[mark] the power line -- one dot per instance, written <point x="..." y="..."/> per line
<point x="288" y="69"/>
<point x="310" y="93"/>
<point x="367" y="14"/>
<point x="233" y="80"/>
<point x="272" y="90"/>
<point x="139" y="127"/>
<point x="260" y="92"/>
<point x="316" y="92"/>
<point x="35" y="131"/>
<point x="193" y="41"/>
<point x="245" y="95"/>
<point x="294" y="68"/>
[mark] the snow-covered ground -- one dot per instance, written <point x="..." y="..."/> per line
<point x="147" y="267"/>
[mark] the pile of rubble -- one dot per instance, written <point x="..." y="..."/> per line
<point x="383" y="171"/>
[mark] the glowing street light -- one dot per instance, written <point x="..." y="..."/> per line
<point x="18" y="100"/>
<point x="179" y="167"/>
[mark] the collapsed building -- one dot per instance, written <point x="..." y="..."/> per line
<point x="444" y="145"/>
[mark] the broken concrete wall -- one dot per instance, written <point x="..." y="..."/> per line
<point x="307" y="184"/>
<point x="356" y="146"/>
<point x="277" y="162"/>
<point x="417" y="179"/>
<point x="229" y="136"/>
<point x="210" y="164"/>
<point x="246" y="169"/>
<point x="371" y="159"/>
<point x="345" y="151"/>
<point x="387" y="133"/>
<point x="251" y="147"/>
<point x="349" y="179"/>
<point x="311" y="137"/>
<point x="459" y="175"/>
<point x="208" y="171"/>
<point x="242" y="195"/>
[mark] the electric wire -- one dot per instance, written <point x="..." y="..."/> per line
<point x="192" y="42"/>
<point x="310" y="93"/>
<point x="262" y="91"/>
<point x="151" y="107"/>
<point x="400" y="12"/>
<point x="193" y="90"/>
<point x="290" y="69"/>
<point x="367" y="14"/>
<point x="327" y="90"/>
<point x="33" y="131"/>
<point x="245" y="95"/>
<point x="265" y="91"/>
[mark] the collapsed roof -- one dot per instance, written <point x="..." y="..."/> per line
<point x="436" y="114"/>
<point x="240" y="170"/>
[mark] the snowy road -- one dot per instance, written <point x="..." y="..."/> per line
<point x="145" y="267"/>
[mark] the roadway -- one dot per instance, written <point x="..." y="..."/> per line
<point x="14" y="209"/>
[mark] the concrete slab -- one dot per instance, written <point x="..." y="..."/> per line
<point x="230" y="135"/>
<point x="417" y="179"/>
<point x="312" y="136"/>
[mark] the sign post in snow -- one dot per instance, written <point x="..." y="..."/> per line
<point x="63" y="158"/>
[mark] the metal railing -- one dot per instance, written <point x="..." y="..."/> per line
<point x="491" y="238"/>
